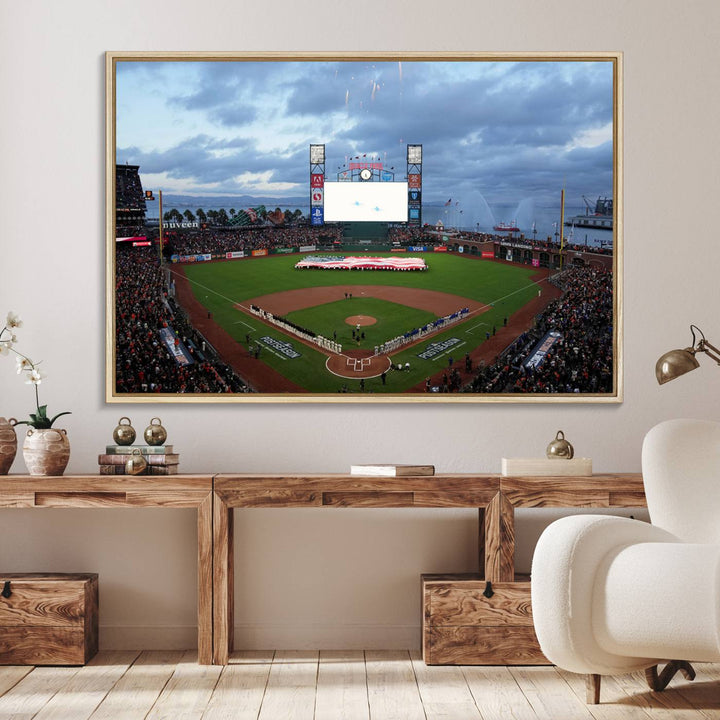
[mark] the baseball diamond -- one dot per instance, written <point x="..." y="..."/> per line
<point x="334" y="329"/>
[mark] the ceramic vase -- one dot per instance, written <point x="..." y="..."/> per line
<point x="8" y="444"/>
<point x="46" y="451"/>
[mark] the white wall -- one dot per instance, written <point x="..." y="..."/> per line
<point x="331" y="578"/>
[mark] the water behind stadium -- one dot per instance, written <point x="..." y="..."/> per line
<point x="480" y="217"/>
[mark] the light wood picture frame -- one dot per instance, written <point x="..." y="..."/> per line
<point x="372" y="227"/>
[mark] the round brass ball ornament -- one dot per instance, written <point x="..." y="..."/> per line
<point x="155" y="433"/>
<point x="124" y="433"/>
<point x="560" y="448"/>
<point x="136" y="463"/>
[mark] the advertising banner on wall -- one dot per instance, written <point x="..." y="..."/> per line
<point x="487" y="254"/>
<point x="415" y="181"/>
<point x="316" y="197"/>
<point x="259" y="253"/>
<point x="234" y="255"/>
<point x="316" y="180"/>
<point x="317" y="216"/>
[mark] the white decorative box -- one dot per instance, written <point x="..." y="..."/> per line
<point x="547" y="466"/>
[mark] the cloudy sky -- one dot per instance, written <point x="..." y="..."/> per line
<point x="506" y="130"/>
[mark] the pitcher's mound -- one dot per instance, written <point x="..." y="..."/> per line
<point x="361" y="320"/>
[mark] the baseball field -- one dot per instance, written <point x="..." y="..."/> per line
<point x="359" y="310"/>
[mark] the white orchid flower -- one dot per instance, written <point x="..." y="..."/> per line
<point x="13" y="320"/>
<point x="23" y="364"/>
<point x="35" y="377"/>
<point x="5" y="346"/>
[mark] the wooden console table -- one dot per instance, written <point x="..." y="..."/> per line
<point x="495" y="497"/>
<point x="215" y="498"/>
<point x="127" y="491"/>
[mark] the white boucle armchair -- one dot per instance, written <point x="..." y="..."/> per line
<point x="613" y="595"/>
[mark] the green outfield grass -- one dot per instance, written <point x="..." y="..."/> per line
<point x="219" y="286"/>
<point x="392" y="320"/>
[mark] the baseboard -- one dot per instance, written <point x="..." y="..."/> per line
<point x="150" y="637"/>
<point x="263" y="637"/>
<point x="327" y="637"/>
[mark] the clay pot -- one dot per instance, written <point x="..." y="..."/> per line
<point x="8" y="444"/>
<point x="46" y="451"/>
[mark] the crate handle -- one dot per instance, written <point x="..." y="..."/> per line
<point x="6" y="592"/>
<point x="488" y="592"/>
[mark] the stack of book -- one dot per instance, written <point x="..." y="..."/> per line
<point x="160" y="459"/>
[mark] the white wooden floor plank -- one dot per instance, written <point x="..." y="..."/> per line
<point x="88" y="687"/>
<point x="392" y="688"/>
<point x="666" y="705"/>
<point x="188" y="691"/>
<point x="11" y="675"/>
<point x="444" y="692"/>
<point x="139" y="688"/>
<point x="302" y="685"/>
<point x="342" y="686"/>
<point x="615" y="703"/>
<point x="240" y="691"/>
<point x="703" y="693"/>
<point x="548" y="694"/>
<point x="290" y="691"/>
<point x="34" y="691"/>
<point x="497" y="694"/>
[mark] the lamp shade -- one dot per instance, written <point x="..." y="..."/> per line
<point x="675" y="363"/>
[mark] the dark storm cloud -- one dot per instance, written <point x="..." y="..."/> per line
<point x="508" y="128"/>
<point x="196" y="160"/>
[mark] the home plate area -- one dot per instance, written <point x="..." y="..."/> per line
<point x="356" y="364"/>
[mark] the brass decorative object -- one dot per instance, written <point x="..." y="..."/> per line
<point x="136" y="463"/>
<point x="678" y="362"/>
<point x="560" y="448"/>
<point x="124" y="433"/>
<point x="155" y="433"/>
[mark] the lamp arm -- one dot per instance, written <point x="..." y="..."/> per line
<point x="710" y="350"/>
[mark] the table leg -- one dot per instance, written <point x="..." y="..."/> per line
<point x="223" y="581"/>
<point x="205" y="580"/>
<point x="499" y="544"/>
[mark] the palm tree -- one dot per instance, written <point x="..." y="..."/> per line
<point x="201" y="216"/>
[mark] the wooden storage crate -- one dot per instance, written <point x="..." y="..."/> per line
<point x="48" y="618"/>
<point x="461" y="626"/>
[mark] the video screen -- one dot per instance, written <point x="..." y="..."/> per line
<point x="366" y="202"/>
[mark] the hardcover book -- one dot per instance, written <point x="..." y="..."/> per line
<point x="392" y="470"/>
<point x="144" y="449"/>
<point x="149" y="470"/>
<point x="110" y="459"/>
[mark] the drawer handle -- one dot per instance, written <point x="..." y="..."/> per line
<point x="6" y="592"/>
<point x="488" y="592"/>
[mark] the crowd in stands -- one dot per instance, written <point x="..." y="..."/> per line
<point x="143" y="363"/>
<point x="220" y="240"/>
<point x="406" y="235"/>
<point x="581" y="362"/>
<point x="129" y="198"/>
<point x="552" y="246"/>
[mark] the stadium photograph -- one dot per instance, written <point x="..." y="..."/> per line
<point x="363" y="228"/>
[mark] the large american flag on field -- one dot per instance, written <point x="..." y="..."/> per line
<point x="362" y="263"/>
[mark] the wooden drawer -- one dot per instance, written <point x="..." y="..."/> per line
<point x="48" y="619"/>
<point x="462" y="626"/>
